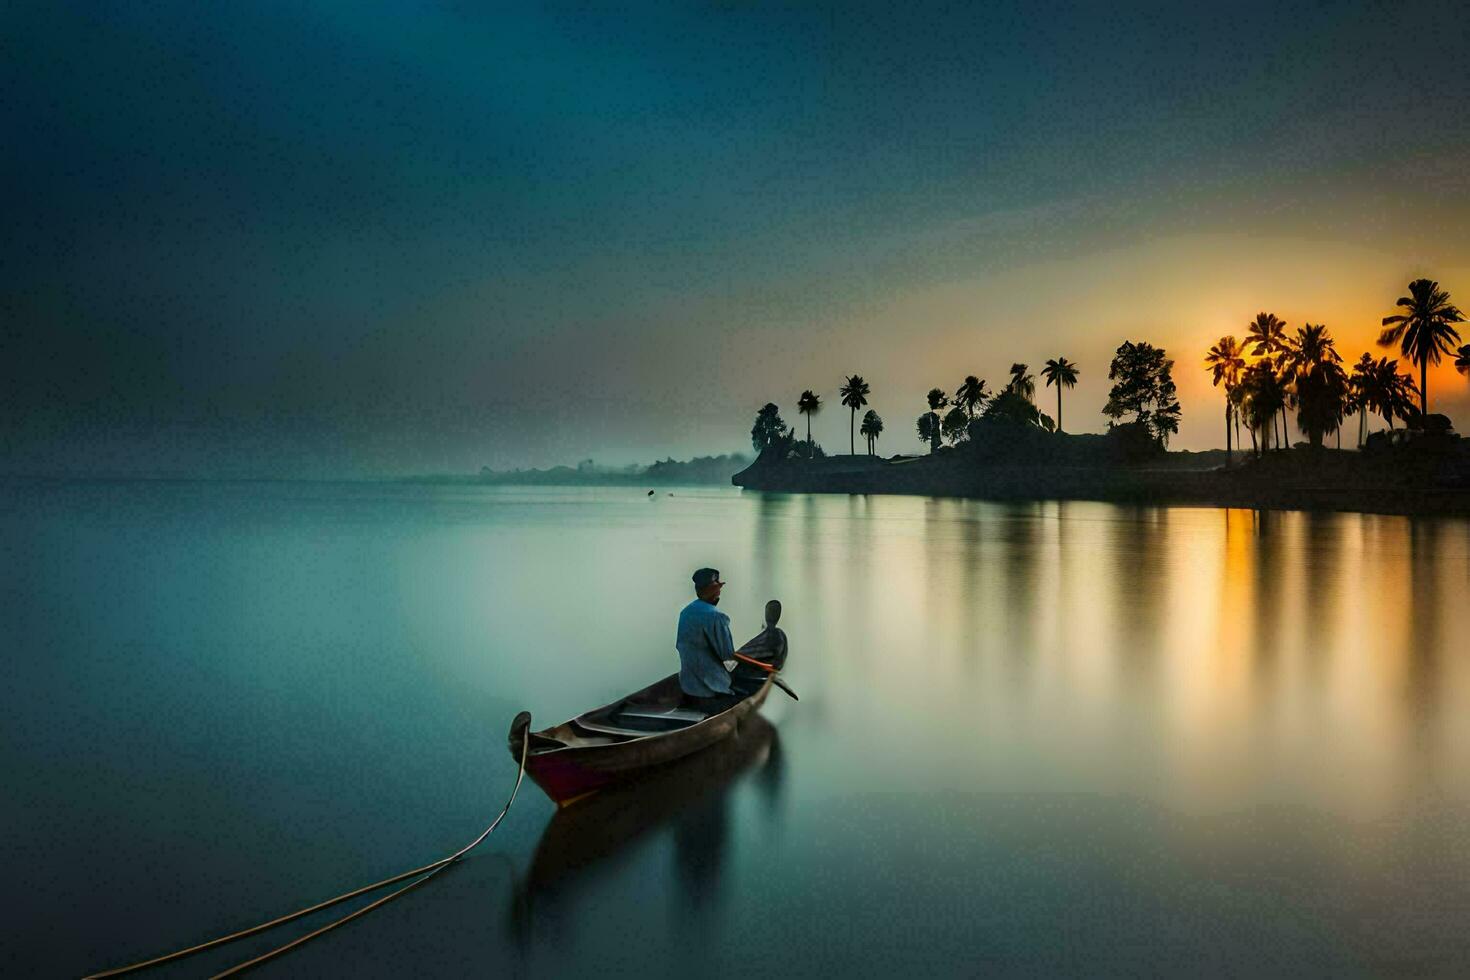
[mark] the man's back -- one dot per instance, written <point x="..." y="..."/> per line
<point x="704" y="643"/>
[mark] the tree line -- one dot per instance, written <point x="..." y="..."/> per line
<point x="1264" y="376"/>
<point x="1304" y="371"/>
<point x="1144" y="387"/>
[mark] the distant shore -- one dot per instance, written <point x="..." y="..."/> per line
<point x="1398" y="482"/>
<point x="712" y="470"/>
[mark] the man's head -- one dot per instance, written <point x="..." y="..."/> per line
<point x="707" y="585"/>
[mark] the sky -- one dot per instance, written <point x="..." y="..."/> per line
<point x="349" y="240"/>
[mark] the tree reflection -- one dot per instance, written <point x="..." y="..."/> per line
<point x="1424" y="624"/>
<point x="1139" y="583"/>
<point x="1020" y="536"/>
<point x="1265" y="602"/>
<point x="1320" y="619"/>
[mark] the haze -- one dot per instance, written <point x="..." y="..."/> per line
<point x="269" y="239"/>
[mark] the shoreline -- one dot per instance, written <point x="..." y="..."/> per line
<point x="1408" y="484"/>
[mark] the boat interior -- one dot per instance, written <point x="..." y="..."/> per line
<point x="655" y="710"/>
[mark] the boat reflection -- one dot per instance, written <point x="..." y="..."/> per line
<point x="591" y="840"/>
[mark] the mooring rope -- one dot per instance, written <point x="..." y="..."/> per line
<point x="428" y="871"/>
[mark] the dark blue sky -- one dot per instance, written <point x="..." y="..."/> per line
<point x="322" y="239"/>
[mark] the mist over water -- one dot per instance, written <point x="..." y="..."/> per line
<point x="1032" y="738"/>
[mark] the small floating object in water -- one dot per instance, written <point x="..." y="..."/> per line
<point x="650" y="493"/>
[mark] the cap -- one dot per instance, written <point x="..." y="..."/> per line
<point x="705" y="577"/>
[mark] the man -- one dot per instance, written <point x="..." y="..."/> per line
<point x="704" y="644"/>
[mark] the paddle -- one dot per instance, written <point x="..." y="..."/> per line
<point x="773" y="616"/>
<point x="772" y="671"/>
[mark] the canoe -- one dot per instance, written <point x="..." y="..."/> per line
<point x="631" y="736"/>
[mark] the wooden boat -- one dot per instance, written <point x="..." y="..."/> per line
<point x="629" y="737"/>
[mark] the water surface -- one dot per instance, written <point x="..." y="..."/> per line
<point x="1032" y="738"/>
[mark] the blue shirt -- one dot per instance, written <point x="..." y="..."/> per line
<point x="704" y="641"/>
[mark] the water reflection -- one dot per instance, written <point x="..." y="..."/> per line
<point x="1138" y="582"/>
<point x="1264" y="608"/>
<point x="1019" y="542"/>
<point x="1321" y="618"/>
<point x="971" y="598"/>
<point x="1424" y="625"/>
<point x="690" y="802"/>
<point x="1201" y="739"/>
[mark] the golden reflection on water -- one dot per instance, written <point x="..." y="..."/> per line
<point x="1214" y="659"/>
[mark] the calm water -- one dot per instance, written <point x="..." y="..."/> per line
<point x="1038" y="738"/>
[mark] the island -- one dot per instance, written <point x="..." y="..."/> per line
<point x="1411" y="472"/>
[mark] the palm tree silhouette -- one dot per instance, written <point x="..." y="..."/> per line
<point x="971" y="394"/>
<point x="1313" y="366"/>
<point x="1462" y="360"/>
<point x="1423" y="331"/>
<point x="937" y="400"/>
<point x="1268" y="334"/>
<point x="1226" y="363"/>
<point x="1388" y="392"/>
<point x="928" y="429"/>
<point x="955" y="425"/>
<point x="1264" y="397"/>
<point x="1060" y="372"/>
<point x="854" y="395"/>
<point x="1360" y="384"/>
<point x="872" y="428"/>
<point x="809" y="404"/>
<point x="1022" y="383"/>
<point x="1400" y="391"/>
<point x="1236" y="399"/>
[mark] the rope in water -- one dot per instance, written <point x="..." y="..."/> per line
<point x="427" y="871"/>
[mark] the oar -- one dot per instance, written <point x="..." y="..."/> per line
<point x="782" y="685"/>
<point x="770" y="670"/>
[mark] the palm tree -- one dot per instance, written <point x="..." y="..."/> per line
<point x="854" y="395"/>
<point x="1314" y="367"/>
<point x="955" y="425"/>
<point x="872" y="427"/>
<point x="1264" y="396"/>
<point x="1388" y="392"/>
<point x="1268" y="334"/>
<point x="937" y="400"/>
<point x="971" y="394"/>
<point x="929" y="429"/>
<point x="1401" y="391"/>
<point x="1235" y="400"/>
<point x="1462" y="360"/>
<point x="1022" y="383"/>
<point x="1226" y="363"/>
<point x="809" y="404"/>
<point x="1359" y="385"/>
<point x="1423" y="331"/>
<point x="1060" y="372"/>
<point x="1375" y="386"/>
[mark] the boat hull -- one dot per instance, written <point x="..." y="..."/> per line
<point x="569" y="763"/>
